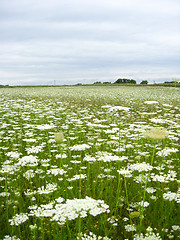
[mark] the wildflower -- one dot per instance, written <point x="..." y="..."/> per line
<point x="140" y="167"/>
<point x="175" y="227"/>
<point x="151" y="102"/>
<point x="70" y="210"/>
<point x="18" y="219"/>
<point x="61" y="155"/>
<point x="80" y="147"/>
<point x="33" y="227"/>
<point x="120" y="108"/>
<point x="45" y="127"/>
<point x="172" y="196"/>
<point x="90" y="236"/>
<point x="150" y="235"/>
<point x="28" y="161"/>
<point x="76" y="177"/>
<point x="156" y="133"/>
<point x="14" y="155"/>
<point x="59" y="137"/>
<point x="166" y="151"/>
<point x="125" y="173"/>
<point x="130" y="228"/>
<point x="50" y="187"/>
<point x="59" y="200"/>
<point x="150" y="190"/>
<point x="7" y="237"/>
<point x="29" y="174"/>
<point x="34" y="149"/>
<point x="113" y="220"/>
<point x="56" y="171"/>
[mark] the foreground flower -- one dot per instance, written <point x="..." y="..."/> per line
<point x="7" y="237"/>
<point x="71" y="210"/>
<point x="91" y="236"/>
<point x="29" y="161"/>
<point x="140" y="167"/>
<point x="156" y="133"/>
<point x="18" y="219"/>
<point x="147" y="236"/>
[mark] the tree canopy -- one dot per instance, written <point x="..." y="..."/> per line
<point x="125" y="80"/>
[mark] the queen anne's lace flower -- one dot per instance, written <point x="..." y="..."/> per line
<point x="156" y="133"/>
<point x="172" y="196"/>
<point x="166" y="152"/>
<point x="90" y="236"/>
<point x="18" y="219"/>
<point x="45" y="127"/>
<point x="141" y="167"/>
<point x="80" y="147"/>
<point x="71" y="210"/>
<point x="28" y="161"/>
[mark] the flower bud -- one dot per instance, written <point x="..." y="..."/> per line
<point x="59" y="137"/>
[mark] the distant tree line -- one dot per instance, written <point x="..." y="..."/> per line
<point x="125" y="80"/>
<point x="132" y="81"/>
<point x="1" y="86"/>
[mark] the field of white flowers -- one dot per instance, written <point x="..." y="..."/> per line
<point x="89" y="162"/>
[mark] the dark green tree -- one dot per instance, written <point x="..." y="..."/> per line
<point x="144" y="82"/>
<point x="125" y="80"/>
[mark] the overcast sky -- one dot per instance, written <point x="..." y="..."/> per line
<point x="83" y="41"/>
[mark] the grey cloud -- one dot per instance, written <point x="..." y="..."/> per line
<point x="74" y="40"/>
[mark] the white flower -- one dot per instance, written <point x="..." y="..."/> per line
<point x="125" y="173"/>
<point x="80" y="147"/>
<point x="61" y="155"/>
<point x="73" y="208"/>
<point x="34" y="149"/>
<point x="76" y="177"/>
<point x="172" y="196"/>
<point x="59" y="200"/>
<point x="14" y="155"/>
<point x="56" y="171"/>
<point x="120" y="108"/>
<point x="141" y="167"/>
<point x="18" y="219"/>
<point x="28" y="161"/>
<point x="50" y="187"/>
<point x="150" y="190"/>
<point x="7" y="237"/>
<point x="166" y="152"/>
<point x="151" y="102"/>
<point x="91" y="236"/>
<point x="157" y="120"/>
<point x="130" y="228"/>
<point x="175" y="228"/>
<point x="45" y="127"/>
<point x="29" y="174"/>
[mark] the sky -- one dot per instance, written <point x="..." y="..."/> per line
<point x="81" y="41"/>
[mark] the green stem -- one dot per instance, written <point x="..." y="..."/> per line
<point x="69" y="231"/>
<point x="144" y="194"/>
<point x="125" y="185"/>
<point x="7" y="209"/>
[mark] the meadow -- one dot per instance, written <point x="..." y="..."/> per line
<point x="89" y="162"/>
